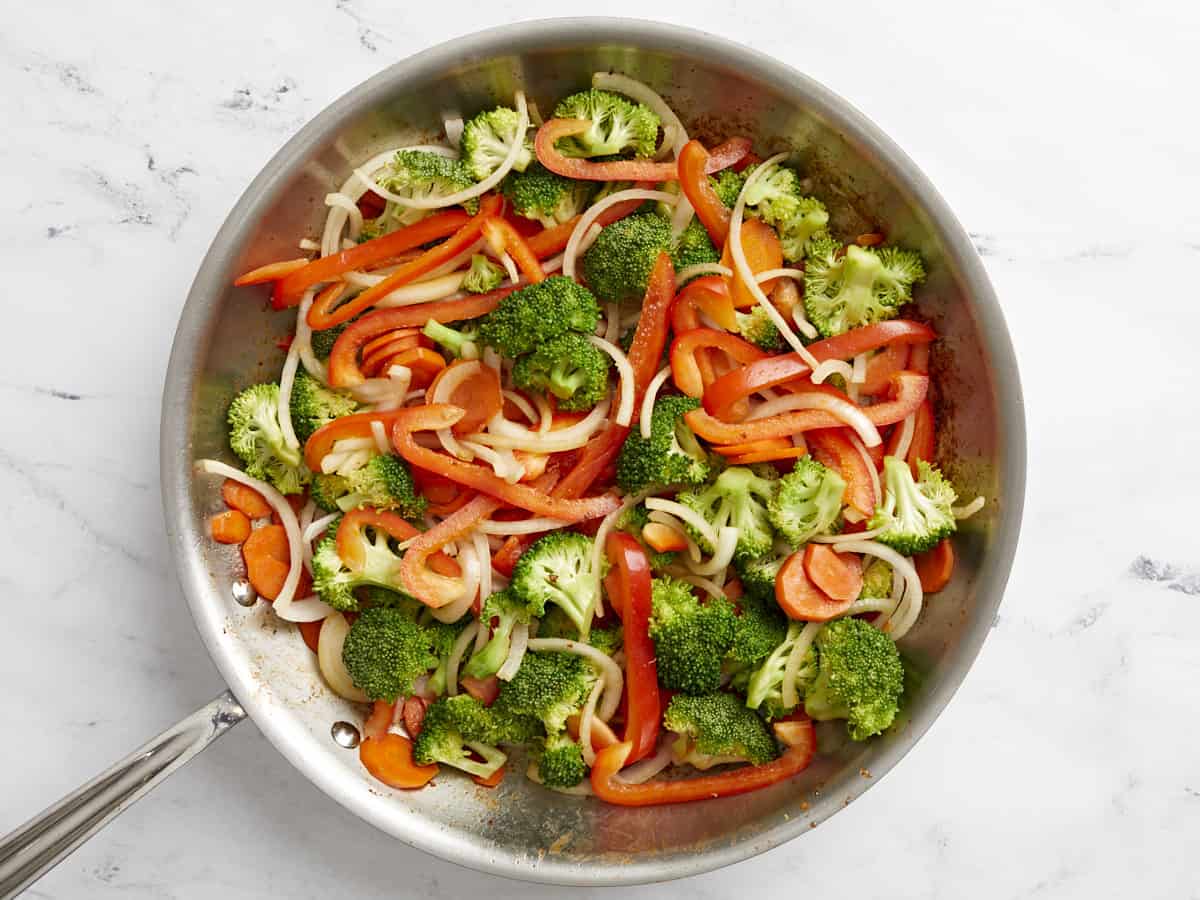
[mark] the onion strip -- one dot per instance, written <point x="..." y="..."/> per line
<point x="906" y="617"/>
<point x="689" y="272"/>
<point x="625" y="373"/>
<point x="844" y="410"/>
<point x="585" y="723"/>
<point x="329" y="659"/>
<point x="457" y="652"/>
<point x="521" y="526"/>
<point x="790" y="672"/>
<point x="652" y="390"/>
<point x="965" y="512"/>
<point x="690" y="516"/>
<point x="518" y="644"/>
<point x="832" y="367"/>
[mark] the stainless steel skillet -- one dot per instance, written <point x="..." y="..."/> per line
<point x="225" y="340"/>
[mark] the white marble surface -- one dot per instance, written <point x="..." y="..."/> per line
<point x="1063" y="134"/>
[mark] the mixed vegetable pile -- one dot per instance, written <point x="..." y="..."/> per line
<point x="596" y="441"/>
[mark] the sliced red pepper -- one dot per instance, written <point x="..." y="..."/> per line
<point x="776" y="454"/>
<point x="478" y="394"/>
<point x="768" y="372"/>
<point x="503" y="238"/>
<point x="435" y="416"/>
<point x="485" y="690"/>
<point x="650" y="336"/>
<point x="834" y="450"/>
<point x="709" y="295"/>
<point x="344" y="369"/>
<point x="631" y="579"/>
<point x="325" y="315"/>
<point x="882" y="366"/>
<point x="271" y="272"/>
<point x="918" y="358"/>
<point x="366" y="255"/>
<point x="432" y="588"/>
<point x="350" y="551"/>
<point x="685" y="369"/>
<point x="924" y="437"/>
<point x="763" y="252"/>
<point x="802" y="746"/>
<point x="356" y="425"/>
<point x="728" y="154"/>
<point x="712" y="213"/>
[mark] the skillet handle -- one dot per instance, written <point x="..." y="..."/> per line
<point x="31" y="850"/>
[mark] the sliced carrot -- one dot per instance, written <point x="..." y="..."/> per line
<point x="266" y="554"/>
<point x="386" y="338"/>
<point x="837" y="574"/>
<point x="871" y="239"/>
<point x="934" y="567"/>
<point x="230" y="527"/>
<point x="763" y="252"/>
<point x="389" y="758"/>
<point x="241" y="497"/>
<point x="478" y="394"/>
<point x="425" y="364"/>
<point x="778" y="443"/>
<point x="799" y="598"/>
<point x="444" y="565"/>
<point x="492" y="780"/>
<point x="271" y="271"/>
<point x="311" y="632"/>
<point x="663" y="538"/>
<point x="747" y="459"/>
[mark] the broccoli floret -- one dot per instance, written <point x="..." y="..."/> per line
<point x="560" y="762"/>
<point x="556" y="570"/>
<point x="728" y="184"/>
<point x="632" y="521"/>
<point x="715" y="729"/>
<point x="758" y="576"/>
<point x="373" y="595"/>
<point x="764" y="687"/>
<point x="385" y="482"/>
<point x="257" y="438"/>
<point x="510" y="611"/>
<point x="483" y="276"/>
<point x="327" y="490"/>
<point x="672" y="455"/>
<point x="778" y="201"/>
<point x="808" y="501"/>
<point x="421" y="175"/>
<point x="536" y="314"/>
<point x="761" y="627"/>
<point x="454" y="729"/>
<point x="487" y="138"/>
<point x="860" y="288"/>
<point x="313" y="405"/>
<point x="618" y="264"/>
<point x="739" y="498"/>
<point x="569" y="367"/>
<point x="690" y="638"/>
<point x="607" y="640"/>
<point x="455" y="341"/>
<point x="859" y="678"/>
<point x="694" y="247"/>
<point x="550" y="687"/>
<point x="556" y="624"/>
<point x="618" y="125"/>
<point x="545" y="196"/>
<point x="915" y="515"/>
<point x="877" y="580"/>
<point x="756" y="327"/>
<point x="385" y="652"/>
<point x="335" y="581"/>
<point x="322" y="341"/>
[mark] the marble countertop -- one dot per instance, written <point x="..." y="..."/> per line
<point x="1064" y="138"/>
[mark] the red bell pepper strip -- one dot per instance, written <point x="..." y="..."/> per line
<point x="923" y="441"/>
<point x="834" y="450"/>
<point x="353" y="426"/>
<point x="771" y="455"/>
<point x="709" y="295"/>
<point x="290" y="289"/>
<point x="918" y="359"/>
<point x="910" y="390"/>
<point x="650" y="336"/>
<point x="546" y="243"/>
<point x="271" y="271"/>
<point x="431" y="588"/>
<point x="435" y="416"/>
<point x="763" y="252"/>
<point x="350" y="551"/>
<point x="503" y="238"/>
<point x="728" y="154"/>
<point x="324" y="315"/>
<point x="712" y="213"/>
<point x="631" y="578"/>
<point x="344" y="370"/>
<point x="882" y="366"/>
<point x="685" y="369"/>
<point x="772" y="371"/>
<point x="798" y="735"/>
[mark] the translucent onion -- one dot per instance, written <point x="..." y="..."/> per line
<point x="772" y="274"/>
<point x="802" y="324"/>
<point x="585" y="723"/>
<point x="904" y="439"/>
<point x="906" y="617"/>
<point x="612" y="323"/>
<point x="652" y="390"/>
<point x="614" y="681"/>
<point x="382" y="444"/>
<point x="593" y="212"/>
<point x="523" y="405"/>
<point x="521" y="526"/>
<point x="869" y="464"/>
<point x="440" y="288"/>
<point x="664" y="518"/>
<point x="707" y="585"/>
<point x="503" y="433"/>
<point x="845" y="538"/>
<point x="287" y="378"/>
<point x="518" y="644"/>
<point x="831" y="367"/>
<point x="790" y="672"/>
<point x="596" y="561"/>
<point x="457" y="652"/>
<point x="306" y="516"/>
<point x="329" y="658"/>
<point x="453" y="125"/>
<point x="643" y="770"/>
<point x="689" y="272"/>
<point x="625" y="373"/>
<point x="860" y="369"/>
<point x="884" y="605"/>
<point x="483" y="553"/>
<point x="690" y="516"/>
<point x="965" y="512"/>
<point x="843" y="410"/>
<point x="725" y="545"/>
<point x="456" y="609"/>
<point x="342" y="201"/>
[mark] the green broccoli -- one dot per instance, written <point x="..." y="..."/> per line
<point x="715" y="729"/>
<point x="556" y="570"/>
<point x="322" y="341"/>
<point x="373" y="595"/>
<point x="421" y="175"/>
<point x="738" y="497"/>
<point x="672" y="455"/>
<point x="536" y="314"/>
<point x="335" y="582"/>
<point x="385" y="482"/>
<point x="487" y="139"/>
<point x="728" y="184"/>
<point x="560" y="762"/>
<point x="371" y="229"/>
<point x="915" y="515"/>
<point x="385" y="652"/>
<point x="327" y="490"/>
<point x="756" y="327"/>
<point x="618" y="125"/>
<point x="694" y="247"/>
<point x="860" y="288"/>
<point x="455" y="341"/>
<point x="758" y="576"/>
<point x="764" y="686"/>
<point x="455" y="730"/>
<point x="257" y="438"/>
<point x="550" y="686"/>
<point x="859" y="678"/>
<point x="557" y="624"/>
<point x="778" y="201"/>
<point x="545" y="196"/>
<point x="618" y="264"/>
<point x="569" y="367"/>
<point x="632" y="521"/>
<point x="807" y="503"/>
<point x="510" y="611"/>
<point x="313" y="405"/>
<point x="483" y="276"/>
<point x="877" y="580"/>
<point x="761" y="627"/>
<point x="690" y="638"/>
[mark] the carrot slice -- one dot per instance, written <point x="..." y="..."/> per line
<point x="760" y="456"/>
<point x="763" y="252"/>
<point x="271" y="271"/>
<point x="663" y="538"/>
<point x="266" y="554"/>
<point x="389" y="758"/>
<point x="837" y="574"/>
<point x="230" y="527"/>
<point x="492" y="780"/>
<point x="799" y="598"/>
<point x="246" y="499"/>
<point x="934" y="567"/>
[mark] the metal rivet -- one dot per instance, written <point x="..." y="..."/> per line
<point x="244" y="593"/>
<point x="345" y="735"/>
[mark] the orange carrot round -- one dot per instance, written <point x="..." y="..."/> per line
<point x="230" y="527"/>
<point x="246" y="499"/>
<point x="837" y="574"/>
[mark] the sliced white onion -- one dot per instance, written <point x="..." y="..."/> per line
<point x="585" y="723"/>
<point x="689" y="272"/>
<point x="553" y="264"/>
<point x="843" y="410"/>
<point x="456" y="609"/>
<point x="722" y="556"/>
<point x="287" y="378"/>
<point x="385" y="393"/>
<point x="805" y="327"/>
<point x="846" y="538"/>
<point x="664" y="518"/>
<point x="583" y="789"/>
<point x="625" y="373"/>
<point x="329" y="658"/>
<point x="612" y="323"/>
<point x="588" y="218"/>
<point x="904" y="439"/>
<point x="382" y="444"/>
<point x="521" y="526"/>
<point x="652" y="390"/>
<point x="707" y="585"/>
<point x="518" y="644"/>
<point x="614" y="681"/>
<point x="596" y="562"/>
<point x="308" y="244"/>
<point x="453" y="125"/>
<point x="860" y="369"/>
<point x="303" y="342"/>
<point x="503" y="433"/>
<point x="545" y="412"/>
<point x="472" y="192"/>
<point x="344" y="202"/>
<point x="310" y="609"/>
<point x="790" y="672"/>
<point x="771" y="274"/>
<point x="965" y="512"/>
<point x="831" y="367"/>
<point x="503" y="462"/>
<point x="523" y="405"/>
<point x="306" y="516"/>
<point x="690" y="516"/>
<point x="643" y="770"/>
<point x="510" y="267"/>
<point x="317" y="528"/>
<point x="483" y="553"/>
<point x="884" y="605"/>
<point x="439" y="288"/>
<point x="913" y="595"/>
<point x="465" y="639"/>
<point x="743" y="268"/>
